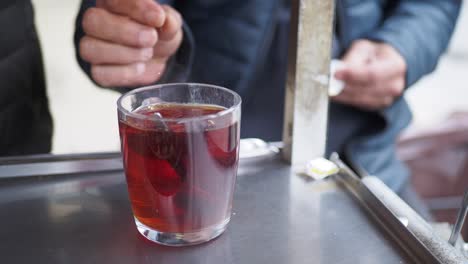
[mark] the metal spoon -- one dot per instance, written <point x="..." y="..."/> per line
<point x="160" y="121"/>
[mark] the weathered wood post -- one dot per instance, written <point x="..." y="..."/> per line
<point x="306" y="106"/>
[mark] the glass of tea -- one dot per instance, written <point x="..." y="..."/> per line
<point x="180" y="146"/>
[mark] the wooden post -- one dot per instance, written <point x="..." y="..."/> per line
<point x="306" y="106"/>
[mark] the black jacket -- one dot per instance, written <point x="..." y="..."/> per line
<point x="25" y="120"/>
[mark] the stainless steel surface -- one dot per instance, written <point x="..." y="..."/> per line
<point x="406" y="226"/>
<point x="63" y="157"/>
<point x="47" y="164"/>
<point x="306" y="102"/>
<point x="460" y="220"/>
<point x="277" y="217"/>
<point x="58" y="166"/>
<point x="439" y="247"/>
<point x="396" y="225"/>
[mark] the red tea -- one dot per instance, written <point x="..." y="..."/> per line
<point x="180" y="176"/>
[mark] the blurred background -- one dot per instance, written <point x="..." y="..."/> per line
<point x="85" y="115"/>
<point x="434" y="146"/>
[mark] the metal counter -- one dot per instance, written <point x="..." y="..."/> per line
<point x="278" y="217"/>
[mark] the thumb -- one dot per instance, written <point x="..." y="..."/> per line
<point x="147" y="12"/>
<point x="360" y="53"/>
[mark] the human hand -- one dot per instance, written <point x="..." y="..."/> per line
<point x="374" y="75"/>
<point x="128" y="42"/>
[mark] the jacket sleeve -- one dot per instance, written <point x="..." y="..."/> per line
<point x="79" y="33"/>
<point x="231" y="39"/>
<point x="178" y="66"/>
<point x="420" y="30"/>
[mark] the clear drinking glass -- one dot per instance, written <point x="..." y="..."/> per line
<point x="180" y="146"/>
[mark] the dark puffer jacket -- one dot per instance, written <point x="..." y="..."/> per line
<point x="25" y="120"/>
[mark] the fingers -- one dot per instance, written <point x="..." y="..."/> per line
<point x="172" y="25"/>
<point x="97" y="51"/>
<point x="117" y="75"/>
<point x="168" y="48"/>
<point x="361" y="52"/>
<point x="170" y="34"/>
<point x="147" y="12"/>
<point x="364" y="101"/>
<point x="371" y="97"/>
<point x="375" y="73"/>
<point x="101" y="24"/>
<point x="395" y="88"/>
<point x="357" y="60"/>
<point x="128" y="42"/>
<point x="153" y="71"/>
<point x="128" y="75"/>
<point x="357" y="76"/>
